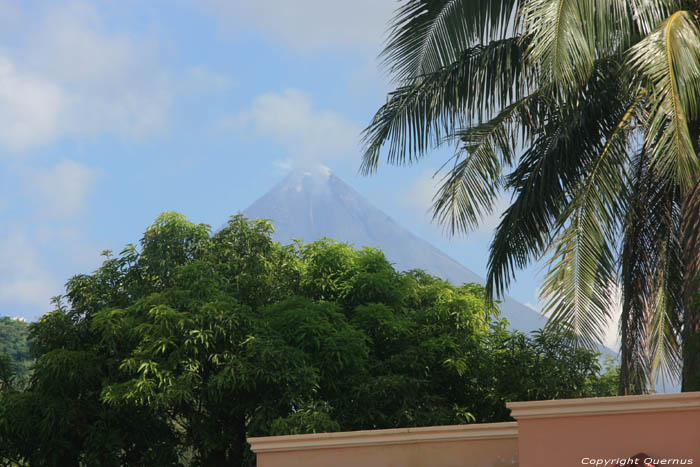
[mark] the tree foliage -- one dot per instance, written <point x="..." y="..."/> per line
<point x="173" y="352"/>
<point x="14" y="345"/>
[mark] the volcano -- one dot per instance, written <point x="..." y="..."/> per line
<point x="308" y="205"/>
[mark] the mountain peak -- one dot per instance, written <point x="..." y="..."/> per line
<point x="308" y="176"/>
<point x="309" y="204"/>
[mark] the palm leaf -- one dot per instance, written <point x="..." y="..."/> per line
<point x="665" y="360"/>
<point x="470" y="188"/>
<point x="652" y="271"/>
<point x="665" y="323"/>
<point x="569" y="35"/>
<point x="648" y="15"/>
<point x="563" y="39"/>
<point x="668" y="62"/>
<point x="548" y="172"/>
<point x="430" y="34"/>
<point x="419" y="115"/>
<point x="583" y="270"/>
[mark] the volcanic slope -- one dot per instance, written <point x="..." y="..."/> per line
<point x="310" y="205"/>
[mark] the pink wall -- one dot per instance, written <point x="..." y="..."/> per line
<point x="486" y="453"/>
<point x="598" y="431"/>
<point x="558" y="433"/>
<point x="487" y="445"/>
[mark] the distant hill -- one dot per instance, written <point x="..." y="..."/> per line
<point x="310" y="205"/>
<point x="13" y="343"/>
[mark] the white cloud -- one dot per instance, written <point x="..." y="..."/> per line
<point x="71" y="45"/>
<point x="30" y="108"/>
<point x="67" y="73"/>
<point x="114" y="82"/>
<point x="305" y="25"/>
<point x="310" y="135"/>
<point x="63" y="189"/>
<point x="357" y="29"/>
<point x="9" y="11"/>
<point x="47" y="242"/>
<point x="35" y="262"/>
<point x="200" y="80"/>
<point x="23" y="278"/>
<point x="369" y="81"/>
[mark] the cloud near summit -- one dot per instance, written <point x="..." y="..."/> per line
<point x="310" y="136"/>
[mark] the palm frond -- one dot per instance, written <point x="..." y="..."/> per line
<point x="540" y="182"/>
<point x="652" y="271"/>
<point x="664" y="333"/>
<point x="563" y="39"/>
<point x="422" y="113"/>
<point x="668" y="60"/>
<point x="579" y="287"/>
<point x="583" y="268"/>
<point x="430" y="34"/>
<point x="569" y="35"/>
<point x="578" y="84"/>
<point x="665" y="323"/>
<point x="470" y="188"/>
<point x="648" y="15"/>
<point x="549" y="170"/>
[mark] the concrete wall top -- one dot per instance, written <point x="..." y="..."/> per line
<point x="604" y="405"/>
<point x="482" y="431"/>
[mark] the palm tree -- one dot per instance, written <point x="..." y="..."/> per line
<point x="587" y="113"/>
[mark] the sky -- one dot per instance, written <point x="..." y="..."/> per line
<point x="112" y="112"/>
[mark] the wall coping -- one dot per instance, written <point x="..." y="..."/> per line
<point x="604" y="405"/>
<point x="383" y="437"/>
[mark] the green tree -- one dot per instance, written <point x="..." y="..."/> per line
<point x="60" y="418"/>
<point x="588" y="114"/>
<point x="7" y="373"/>
<point x="174" y="352"/>
<point x="14" y="345"/>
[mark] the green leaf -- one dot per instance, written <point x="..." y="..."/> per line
<point x="667" y="62"/>
<point x="426" y="109"/>
<point x="429" y="34"/>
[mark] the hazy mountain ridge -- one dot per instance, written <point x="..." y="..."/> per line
<point x="310" y="205"/>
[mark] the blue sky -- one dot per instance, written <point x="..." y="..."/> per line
<point x="114" y="111"/>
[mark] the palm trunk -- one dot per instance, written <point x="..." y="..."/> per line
<point x="691" y="286"/>
<point x="690" y="238"/>
<point x="633" y="324"/>
<point x="691" y="350"/>
<point x="636" y="287"/>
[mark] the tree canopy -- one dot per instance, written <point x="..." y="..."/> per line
<point x="173" y="352"/>
<point x="14" y="345"/>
